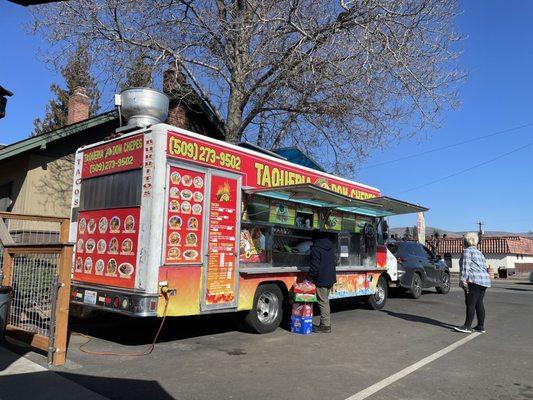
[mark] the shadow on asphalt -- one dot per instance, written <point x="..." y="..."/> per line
<point x="400" y="293"/>
<point x="116" y="388"/>
<point x="9" y="358"/>
<point x="518" y="289"/>
<point x="131" y="331"/>
<point x="19" y="386"/>
<point x="418" y="318"/>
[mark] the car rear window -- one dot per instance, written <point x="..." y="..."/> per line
<point x="418" y="250"/>
<point x="405" y="249"/>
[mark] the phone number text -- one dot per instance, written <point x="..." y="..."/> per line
<point x="196" y="152"/>
<point x="110" y="164"/>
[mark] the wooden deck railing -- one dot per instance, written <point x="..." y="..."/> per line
<point x="39" y="274"/>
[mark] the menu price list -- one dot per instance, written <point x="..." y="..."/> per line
<point x="106" y="246"/>
<point x="185" y="216"/>
<point x="222" y="241"/>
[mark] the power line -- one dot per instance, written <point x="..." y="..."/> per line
<point x="465" y="170"/>
<point x="449" y="146"/>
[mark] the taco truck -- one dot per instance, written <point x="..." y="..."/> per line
<point x="167" y="222"/>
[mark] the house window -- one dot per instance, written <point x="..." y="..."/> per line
<point x="5" y="196"/>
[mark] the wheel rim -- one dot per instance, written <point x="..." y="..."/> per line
<point x="267" y="308"/>
<point x="416" y="285"/>
<point x="379" y="296"/>
<point x="446" y="282"/>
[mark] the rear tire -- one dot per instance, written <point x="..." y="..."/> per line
<point x="416" y="286"/>
<point x="267" y="311"/>
<point x="379" y="298"/>
<point x="445" y="285"/>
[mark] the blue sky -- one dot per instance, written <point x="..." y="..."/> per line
<point x="498" y="95"/>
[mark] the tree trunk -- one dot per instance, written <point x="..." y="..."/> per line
<point x="234" y="119"/>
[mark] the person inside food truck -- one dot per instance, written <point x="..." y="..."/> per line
<point x="322" y="272"/>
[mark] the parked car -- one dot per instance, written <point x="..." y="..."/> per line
<point x="419" y="268"/>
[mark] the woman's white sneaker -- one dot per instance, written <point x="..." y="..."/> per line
<point x="463" y="329"/>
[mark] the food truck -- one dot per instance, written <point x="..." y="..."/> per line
<point x="167" y="222"/>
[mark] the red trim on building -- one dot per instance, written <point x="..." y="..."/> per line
<point x="524" y="267"/>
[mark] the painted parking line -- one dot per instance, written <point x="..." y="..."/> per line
<point x="369" y="391"/>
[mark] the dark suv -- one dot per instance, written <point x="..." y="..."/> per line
<point x="419" y="268"/>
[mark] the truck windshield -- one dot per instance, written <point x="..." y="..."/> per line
<point x="122" y="189"/>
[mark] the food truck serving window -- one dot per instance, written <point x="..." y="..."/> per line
<point x="286" y="237"/>
<point x="117" y="190"/>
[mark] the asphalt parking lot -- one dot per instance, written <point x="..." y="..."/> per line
<point x="208" y="358"/>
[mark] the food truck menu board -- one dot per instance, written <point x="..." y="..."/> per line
<point x="106" y="246"/>
<point x="184" y="216"/>
<point x="221" y="265"/>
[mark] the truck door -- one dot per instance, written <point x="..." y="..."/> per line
<point x="220" y="269"/>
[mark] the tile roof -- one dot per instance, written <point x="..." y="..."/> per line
<point x="491" y="245"/>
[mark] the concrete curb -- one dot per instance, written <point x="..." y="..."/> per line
<point x="21" y="378"/>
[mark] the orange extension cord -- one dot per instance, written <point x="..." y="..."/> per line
<point x="110" y="353"/>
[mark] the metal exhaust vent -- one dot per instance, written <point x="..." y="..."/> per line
<point x="141" y="107"/>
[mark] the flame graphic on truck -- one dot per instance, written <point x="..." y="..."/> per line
<point x="223" y="193"/>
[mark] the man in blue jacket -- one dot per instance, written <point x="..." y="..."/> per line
<point x="323" y="272"/>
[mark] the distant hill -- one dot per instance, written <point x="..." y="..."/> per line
<point x="429" y="231"/>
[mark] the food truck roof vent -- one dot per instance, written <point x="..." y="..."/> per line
<point x="141" y="107"/>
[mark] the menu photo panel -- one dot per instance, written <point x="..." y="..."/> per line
<point x="185" y="214"/>
<point x="106" y="247"/>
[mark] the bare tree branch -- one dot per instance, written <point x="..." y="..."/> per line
<point x="346" y="75"/>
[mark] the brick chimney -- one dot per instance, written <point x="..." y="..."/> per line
<point x="78" y="106"/>
<point x="173" y="82"/>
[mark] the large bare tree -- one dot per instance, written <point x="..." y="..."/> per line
<point x="336" y="78"/>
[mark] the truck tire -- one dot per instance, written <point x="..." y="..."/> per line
<point x="379" y="298"/>
<point x="267" y="311"/>
<point x="444" y="288"/>
<point x="416" y="286"/>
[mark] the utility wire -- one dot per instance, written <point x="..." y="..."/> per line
<point x="447" y="146"/>
<point x="466" y="170"/>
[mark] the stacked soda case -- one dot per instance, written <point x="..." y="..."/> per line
<point x="303" y="296"/>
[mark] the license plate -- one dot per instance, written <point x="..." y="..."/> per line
<point x="90" y="297"/>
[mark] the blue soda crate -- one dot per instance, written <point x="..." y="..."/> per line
<point x="302" y="325"/>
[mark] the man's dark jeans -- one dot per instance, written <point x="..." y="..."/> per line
<point x="474" y="305"/>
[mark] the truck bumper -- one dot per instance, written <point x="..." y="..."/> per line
<point x="114" y="300"/>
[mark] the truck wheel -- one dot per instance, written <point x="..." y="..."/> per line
<point x="416" y="286"/>
<point x="267" y="312"/>
<point x="444" y="287"/>
<point x="379" y="298"/>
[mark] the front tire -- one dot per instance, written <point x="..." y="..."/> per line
<point x="267" y="311"/>
<point x="444" y="288"/>
<point x="416" y="286"/>
<point x="379" y="298"/>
